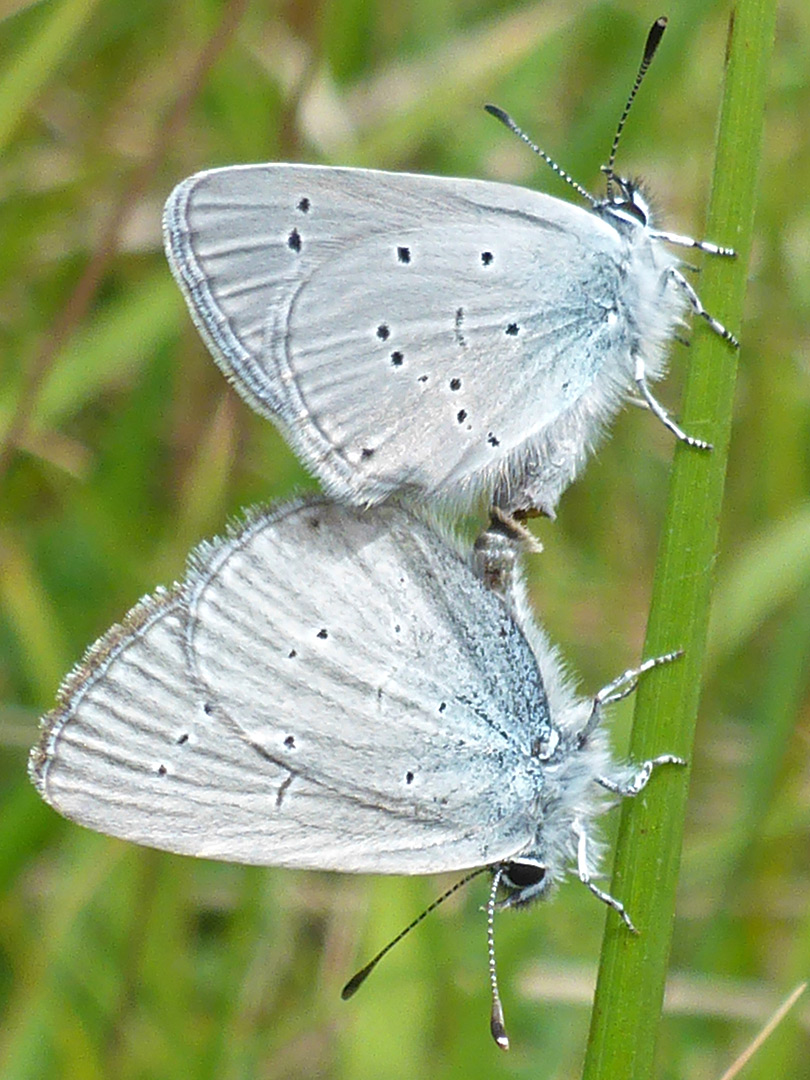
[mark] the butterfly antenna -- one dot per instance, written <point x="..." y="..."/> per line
<point x="496" y="1024"/>
<point x="357" y="980"/>
<point x="653" y="39"/>
<point x="507" y="121"/>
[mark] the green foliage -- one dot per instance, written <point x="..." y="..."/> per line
<point x="121" y="446"/>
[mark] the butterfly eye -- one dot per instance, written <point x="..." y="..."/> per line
<point x="523" y="875"/>
<point x="632" y="209"/>
<point x="527" y="879"/>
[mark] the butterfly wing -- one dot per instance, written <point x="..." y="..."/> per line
<point x="405" y="330"/>
<point x="129" y="750"/>
<point x="329" y="688"/>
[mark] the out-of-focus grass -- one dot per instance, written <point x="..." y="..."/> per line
<point x="121" y="446"/>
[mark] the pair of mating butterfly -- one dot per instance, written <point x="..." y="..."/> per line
<point x="337" y="684"/>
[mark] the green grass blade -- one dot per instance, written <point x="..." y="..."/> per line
<point x="632" y="973"/>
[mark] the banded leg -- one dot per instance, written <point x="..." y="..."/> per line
<point x="585" y="878"/>
<point x="699" y="309"/>
<point x="656" y="407"/>
<point x="638" y="781"/>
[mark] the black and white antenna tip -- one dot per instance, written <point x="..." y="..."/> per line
<point x="497" y="1026"/>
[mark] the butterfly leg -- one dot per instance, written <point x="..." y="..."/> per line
<point x="621" y="687"/>
<point x="656" y="407"/>
<point x="690" y="242"/>
<point x="699" y="309"/>
<point x="585" y="877"/>
<point x="638" y="781"/>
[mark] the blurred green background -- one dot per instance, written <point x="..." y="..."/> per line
<point x="121" y="446"/>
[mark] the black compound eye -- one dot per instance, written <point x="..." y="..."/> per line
<point x="632" y="209"/>
<point x="523" y="875"/>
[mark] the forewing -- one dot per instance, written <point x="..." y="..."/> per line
<point x="329" y="689"/>
<point x="405" y="329"/>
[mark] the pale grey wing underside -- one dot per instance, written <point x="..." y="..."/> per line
<point x="404" y="329"/>
<point x="328" y="689"/>
<point x="130" y="751"/>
